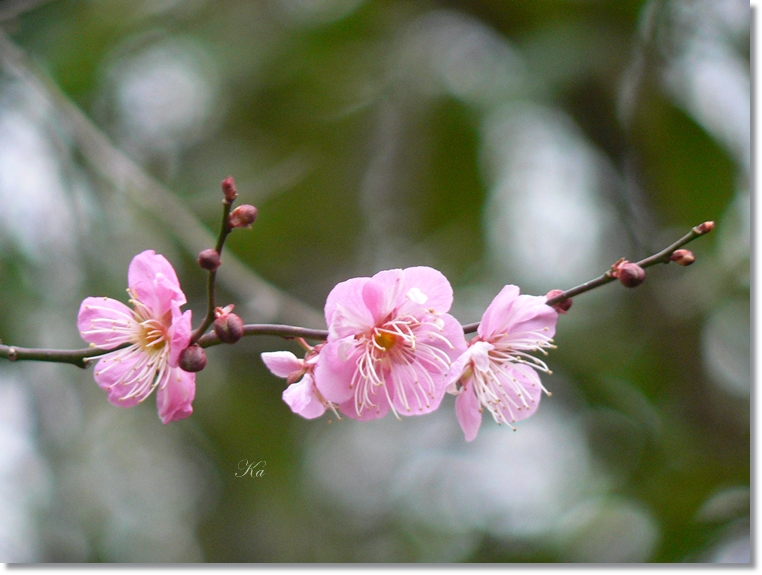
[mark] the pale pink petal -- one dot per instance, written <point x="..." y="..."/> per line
<point x="175" y="395"/>
<point x="345" y="310"/>
<point x="166" y="293"/>
<point x="179" y="333"/>
<point x="379" y="410"/>
<point x="302" y="399"/>
<point x="480" y="355"/>
<point x="453" y="332"/>
<point x="442" y="332"/>
<point x="433" y="284"/>
<point x="494" y="317"/>
<point x="530" y="382"/>
<point x="104" y="322"/>
<point x="154" y="282"/>
<point x="457" y="369"/>
<point x="420" y="391"/>
<point x="417" y="381"/>
<point x="531" y="314"/>
<point x="113" y="373"/>
<point x="333" y="375"/>
<point x="383" y="293"/>
<point x="518" y="314"/>
<point x="282" y="363"/>
<point x="468" y="411"/>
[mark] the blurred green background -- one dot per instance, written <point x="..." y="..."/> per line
<point x="531" y="142"/>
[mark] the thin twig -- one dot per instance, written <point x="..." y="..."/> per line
<point x="210" y="290"/>
<point x="76" y="357"/>
<point x="151" y="196"/>
<point x="284" y="331"/>
<point x="659" y="258"/>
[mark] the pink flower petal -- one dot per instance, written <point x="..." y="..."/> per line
<point x="154" y="282"/>
<point x="104" y="322"/>
<point x="118" y="367"/>
<point x="468" y="411"/>
<point x="433" y="284"/>
<point x="383" y="293"/>
<point x="530" y="381"/>
<point x="453" y="332"/>
<point x="531" y="314"/>
<point x="414" y="395"/>
<point x="457" y="369"/>
<point x="345" y="310"/>
<point x="380" y="410"/>
<point x="179" y="333"/>
<point x="282" y="363"/>
<point x="333" y="375"/>
<point x="302" y="400"/>
<point x="175" y="395"/>
<point x="480" y="355"/>
<point x="494" y="317"/>
<point x="512" y="313"/>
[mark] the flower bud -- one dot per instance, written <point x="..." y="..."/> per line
<point x="243" y="216"/>
<point x="228" y="188"/>
<point x="683" y="257"/>
<point x="705" y="228"/>
<point x="209" y="259"/>
<point x="228" y="327"/>
<point x="630" y="274"/>
<point x="193" y="358"/>
<point x="562" y="306"/>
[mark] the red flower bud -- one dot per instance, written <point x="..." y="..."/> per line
<point x="630" y="274"/>
<point x="243" y="216"/>
<point x="193" y="358"/>
<point x="228" y="327"/>
<point x="705" y="228"/>
<point x="228" y="188"/>
<point x="683" y="257"/>
<point x="562" y="306"/>
<point x="209" y="259"/>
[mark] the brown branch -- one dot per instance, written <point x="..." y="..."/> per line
<point x="225" y="229"/>
<point x="76" y="357"/>
<point x="661" y="257"/>
<point x="79" y="357"/>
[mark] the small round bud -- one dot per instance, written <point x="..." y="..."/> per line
<point x="683" y="257"/>
<point x="193" y="358"/>
<point x="705" y="228"/>
<point x="562" y="306"/>
<point x="243" y="216"/>
<point x="228" y="327"/>
<point x="209" y="259"/>
<point x="630" y="274"/>
<point x="228" y="188"/>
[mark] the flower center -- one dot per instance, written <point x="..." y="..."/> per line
<point x="151" y="335"/>
<point x="385" y="340"/>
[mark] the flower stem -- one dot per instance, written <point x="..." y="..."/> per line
<point x="210" y="284"/>
<point x="76" y="357"/>
<point x="661" y="257"/>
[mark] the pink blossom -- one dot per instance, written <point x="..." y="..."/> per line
<point x="390" y="343"/>
<point x="496" y="371"/>
<point x="301" y="396"/>
<point x="156" y="332"/>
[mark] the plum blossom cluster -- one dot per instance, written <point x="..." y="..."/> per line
<point x="391" y="343"/>
<point x="392" y="346"/>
